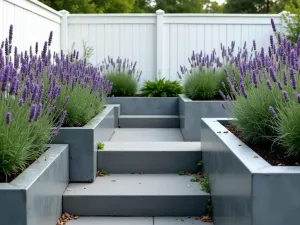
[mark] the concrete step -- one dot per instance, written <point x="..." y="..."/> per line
<point x="193" y="220"/>
<point x="149" y="121"/>
<point x="136" y="195"/>
<point x="149" y="157"/>
<point x="146" y="134"/>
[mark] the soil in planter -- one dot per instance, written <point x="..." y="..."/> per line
<point x="215" y="98"/>
<point x="8" y="179"/>
<point x="275" y="155"/>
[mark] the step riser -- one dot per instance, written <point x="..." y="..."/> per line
<point x="135" y="205"/>
<point x="149" y="122"/>
<point x="148" y="162"/>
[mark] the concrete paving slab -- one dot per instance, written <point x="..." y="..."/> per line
<point x="137" y="185"/>
<point x="191" y="220"/>
<point x="112" y="221"/>
<point x="158" y="146"/>
<point x="147" y="134"/>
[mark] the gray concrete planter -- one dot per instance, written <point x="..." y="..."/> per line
<point x="83" y="143"/>
<point x="146" y="106"/>
<point x="247" y="190"/>
<point x="35" y="196"/>
<point x="191" y="113"/>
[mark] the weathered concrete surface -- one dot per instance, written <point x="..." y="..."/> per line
<point x="82" y="142"/>
<point x="149" y="121"/>
<point x="138" y="221"/>
<point x="150" y="157"/>
<point x="136" y="195"/>
<point x="146" y="134"/>
<point x="35" y="196"/>
<point x="247" y="190"/>
<point x="191" y="112"/>
<point x="146" y="106"/>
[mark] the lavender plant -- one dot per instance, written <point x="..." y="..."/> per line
<point x="123" y="75"/>
<point x="266" y="108"/>
<point x="27" y="114"/>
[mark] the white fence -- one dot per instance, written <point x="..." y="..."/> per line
<point x="159" y="42"/>
<point x="32" y="23"/>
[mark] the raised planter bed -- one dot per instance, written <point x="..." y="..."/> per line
<point x="83" y="141"/>
<point x="35" y="196"/>
<point x="245" y="189"/>
<point x="191" y="113"/>
<point x="146" y="105"/>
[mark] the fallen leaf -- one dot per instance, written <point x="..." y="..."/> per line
<point x="240" y="145"/>
<point x="281" y="164"/>
<point x="256" y="156"/>
<point x="206" y="219"/>
<point x="187" y="173"/>
<point x="225" y="132"/>
<point x="219" y="132"/>
<point x="297" y="164"/>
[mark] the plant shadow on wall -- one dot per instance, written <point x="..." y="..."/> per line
<point x="206" y="76"/>
<point x="40" y="93"/>
<point x="267" y="106"/>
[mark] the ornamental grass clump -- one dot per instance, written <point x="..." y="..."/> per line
<point x="206" y="74"/>
<point x="123" y="76"/>
<point x="28" y="111"/>
<point x="267" y="105"/>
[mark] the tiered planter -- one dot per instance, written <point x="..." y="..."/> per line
<point x="191" y="112"/>
<point x="245" y="189"/>
<point x="83" y="143"/>
<point x="35" y="196"/>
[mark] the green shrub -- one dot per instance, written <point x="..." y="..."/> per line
<point x="161" y="88"/>
<point x="254" y="120"/>
<point x="292" y="20"/>
<point x="202" y="85"/>
<point x="123" y="84"/>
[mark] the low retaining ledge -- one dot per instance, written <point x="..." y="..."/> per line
<point x="35" y="196"/>
<point x="83" y="143"/>
<point x="247" y="190"/>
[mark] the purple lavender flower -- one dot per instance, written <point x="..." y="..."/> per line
<point x="285" y="95"/>
<point x="269" y="84"/>
<point x="298" y="97"/>
<point x="279" y="85"/>
<point x="273" y="24"/>
<point x="8" y="118"/>
<point x="10" y="36"/>
<point x="61" y="121"/>
<point x="34" y="93"/>
<point x="270" y="52"/>
<point x="285" y="79"/>
<point x="21" y="102"/>
<point x="50" y="38"/>
<point x="13" y="86"/>
<point x="36" y="48"/>
<point x="272" y="41"/>
<point x="254" y="79"/>
<point x="272" y="111"/>
<point x="222" y="94"/>
<point x="2" y="45"/>
<point x="272" y="73"/>
<point x="293" y="78"/>
<point x="32" y="112"/>
<point x="6" y="47"/>
<point x="40" y="94"/>
<point x="44" y="52"/>
<point x="279" y="38"/>
<point x="5" y="78"/>
<point x="243" y="89"/>
<point x="38" y="112"/>
<point x="25" y="93"/>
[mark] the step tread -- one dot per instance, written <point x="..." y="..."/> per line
<point x="149" y="116"/>
<point x="152" y="146"/>
<point x="138" y="185"/>
<point x="192" y="220"/>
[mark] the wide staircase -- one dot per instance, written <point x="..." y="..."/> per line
<point x="139" y="181"/>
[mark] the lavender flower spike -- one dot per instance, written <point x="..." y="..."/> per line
<point x="66" y="101"/>
<point x="38" y="112"/>
<point x="279" y="85"/>
<point x="222" y="94"/>
<point x="8" y="118"/>
<point x="273" y="25"/>
<point x="269" y="84"/>
<point x="293" y="79"/>
<point x="272" y="73"/>
<point x="272" y="111"/>
<point x="284" y="78"/>
<point x="32" y="112"/>
<point x="286" y="96"/>
<point x="10" y="36"/>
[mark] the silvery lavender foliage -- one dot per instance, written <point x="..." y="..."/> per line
<point x="122" y="66"/>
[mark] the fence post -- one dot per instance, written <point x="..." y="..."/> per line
<point x="160" y="43"/>
<point x="64" y="31"/>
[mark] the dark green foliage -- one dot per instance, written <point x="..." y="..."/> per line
<point x="161" y="88"/>
<point x="204" y="181"/>
<point x="292" y="20"/>
<point x="124" y="84"/>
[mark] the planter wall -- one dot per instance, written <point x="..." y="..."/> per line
<point x="191" y="113"/>
<point x="35" y="196"/>
<point x="83" y="143"/>
<point x="146" y="106"/>
<point x="247" y="190"/>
